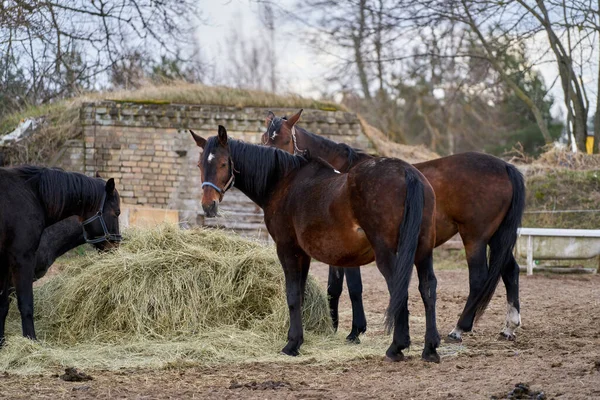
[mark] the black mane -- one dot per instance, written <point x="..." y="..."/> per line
<point x="58" y="189"/>
<point x="261" y="166"/>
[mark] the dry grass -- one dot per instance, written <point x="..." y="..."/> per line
<point x="554" y="157"/>
<point x="185" y="93"/>
<point x="387" y="148"/>
<point x="166" y="295"/>
<point x="62" y="118"/>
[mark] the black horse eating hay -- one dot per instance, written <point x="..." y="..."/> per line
<point x="34" y="198"/>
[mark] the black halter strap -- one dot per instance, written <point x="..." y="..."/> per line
<point x="108" y="237"/>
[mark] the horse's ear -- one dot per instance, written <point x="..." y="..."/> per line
<point x="98" y="174"/>
<point x="110" y="186"/>
<point x="269" y="118"/>
<point x="222" y="135"/>
<point x="294" y="118"/>
<point x="200" y="141"/>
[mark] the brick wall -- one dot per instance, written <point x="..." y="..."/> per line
<point x="148" y="150"/>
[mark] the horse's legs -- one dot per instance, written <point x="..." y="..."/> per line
<point x="427" y="288"/>
<point x="23" y="276"/>
<point x="355" y="289"/>
<point x="476" y="252"/>
<point x="510" y="276"/>
<point x="401" y="337"/>
<point x="334" y="291"/>
<point x="4" y="300"/>
<point x="295" y="265"/>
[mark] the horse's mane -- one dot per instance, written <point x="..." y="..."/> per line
<point x="57" y="188"/>
<point x="263" y="166"/>
<point x="353" y="155"/>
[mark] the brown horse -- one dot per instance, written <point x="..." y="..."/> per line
<point x="477" y="195"/>
<point x="382" y="210"/>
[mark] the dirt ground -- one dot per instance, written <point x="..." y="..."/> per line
<point x="557" y="351"/>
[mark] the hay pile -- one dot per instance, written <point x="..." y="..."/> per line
<point x="563" y="158"/>
<point x="167" y="282"/>
<point x="167" y="294"/>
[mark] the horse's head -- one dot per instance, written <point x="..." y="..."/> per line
<point x="280" y="132"/>
<point x="101" y="225"/>
<point x="216" y="170"/>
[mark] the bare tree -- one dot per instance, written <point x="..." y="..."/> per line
<point x="60" y="43"/>
<point x="267" y="17"/>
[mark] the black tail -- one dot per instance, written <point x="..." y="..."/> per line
<point x="408" y="240"/>
<point x="503" y="241"/>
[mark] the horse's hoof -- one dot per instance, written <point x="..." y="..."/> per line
<point x="394" y="358"/>
<point x="431" y="357"/>
<point x="507" y="336"/>
<point x="353" y="339"/>
<point x="290" y="351"/>
<point x="453" y="338"/>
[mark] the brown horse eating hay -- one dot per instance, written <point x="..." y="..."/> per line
<point x="382" y="210"/>
<point x="477" y="195"/>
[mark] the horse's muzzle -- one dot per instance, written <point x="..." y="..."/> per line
<point x="211" y="209"/>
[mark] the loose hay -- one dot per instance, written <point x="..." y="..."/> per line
<point x="165" y="296"/>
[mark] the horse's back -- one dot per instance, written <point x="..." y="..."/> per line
<point x="21" y="214"/>
<point x="472" y="189"/>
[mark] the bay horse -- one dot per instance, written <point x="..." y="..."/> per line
<point x="477" y="195"/>
<point x="382" y="210"/>
<point x="33" y="199"/>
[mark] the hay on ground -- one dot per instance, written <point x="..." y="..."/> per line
<point x="166" y="294"/>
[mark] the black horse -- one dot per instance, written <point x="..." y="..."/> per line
<point x="59" y="238"/>
<point x="35" y="198"/>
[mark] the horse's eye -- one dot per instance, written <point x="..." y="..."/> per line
<point x="118" y="212"/>
<point x="223" y="164"/>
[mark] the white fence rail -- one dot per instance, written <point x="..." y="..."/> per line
<point x="557" y="244"/>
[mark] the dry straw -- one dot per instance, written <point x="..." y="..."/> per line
<point x="166" y="295"/>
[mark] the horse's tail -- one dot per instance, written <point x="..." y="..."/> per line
<point x="408" y="240"/>
<point x="503" y="241"/>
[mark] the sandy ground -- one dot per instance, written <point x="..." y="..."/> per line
<point x="557" y="351"/>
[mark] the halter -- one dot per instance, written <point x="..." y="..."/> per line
<point x="297" y="151"/>
<point x="228" y="185"/>
<point x="108" y="237"/>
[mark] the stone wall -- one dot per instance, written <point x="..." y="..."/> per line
<point x="148" y="150"/>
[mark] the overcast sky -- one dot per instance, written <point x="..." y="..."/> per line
<point x="301" y="69"/>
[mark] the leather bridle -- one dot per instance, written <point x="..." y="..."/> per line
<point x="108" y="237"/>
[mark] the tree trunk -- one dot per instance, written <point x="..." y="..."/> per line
<point x="357" y="40"/>
<point x="539" y="119"/>
<point x="596" y="148"/>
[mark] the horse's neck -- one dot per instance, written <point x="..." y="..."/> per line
<point x="77" y="206"/>
<point x="327" y="149"/>
<point x="56" y="240"/>
<point x="256" y="183"/>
